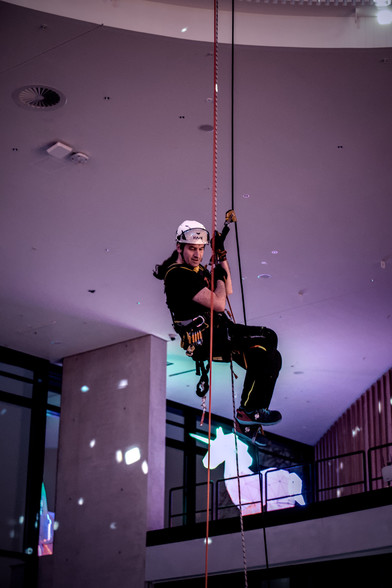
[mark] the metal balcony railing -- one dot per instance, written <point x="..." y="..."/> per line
<point x="321" y="480"/>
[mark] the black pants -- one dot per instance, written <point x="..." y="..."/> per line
<point x="255" y="349"/>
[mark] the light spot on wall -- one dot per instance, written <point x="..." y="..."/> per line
<point x="145" y="467"/>
<point x="84" y="389"/>
<point x="122" y="384"/>
<point x="119" y="456"/>
<point x="132" y="455"/>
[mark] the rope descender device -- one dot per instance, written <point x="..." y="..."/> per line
<point x="230" y="217"/>
<point x="218" y="240"/>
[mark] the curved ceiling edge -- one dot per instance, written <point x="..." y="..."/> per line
<point x="195" y="22"/>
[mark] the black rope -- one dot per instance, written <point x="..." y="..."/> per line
<point x="238" y="479"/>
<point x="232" y="160"/>
<point x="238" y="250"/>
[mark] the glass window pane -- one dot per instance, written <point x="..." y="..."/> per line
<point x="16" y="370"/>
<point x="174" y="432"/>
<point x="14" y="447"/>
<point x="175" y="416"/>
<point x="54" y="398"/>
<point x="16" y="387"/>
<point x="12" y="573"/>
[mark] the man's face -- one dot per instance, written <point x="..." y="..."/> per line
<point x="193" y="254"/>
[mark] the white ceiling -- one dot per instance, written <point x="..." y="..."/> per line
<point x="312" y="145"/>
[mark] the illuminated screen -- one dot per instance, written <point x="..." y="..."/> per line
<point x="276" y="488"/>
<point x="46" y="527"/>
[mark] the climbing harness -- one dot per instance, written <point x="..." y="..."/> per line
<point x="191" y="333"/>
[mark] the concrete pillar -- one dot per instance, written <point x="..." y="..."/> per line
<point x="113" y="412"/>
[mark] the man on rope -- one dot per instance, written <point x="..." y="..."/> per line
<point x="190" y="298"/>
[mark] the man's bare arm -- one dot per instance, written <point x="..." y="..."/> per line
<point x="228" y="282"/>
<point x="222" y="289"/>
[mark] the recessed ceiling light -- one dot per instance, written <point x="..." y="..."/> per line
<point x="265" y="276"/>
<point x="79" y="157"/>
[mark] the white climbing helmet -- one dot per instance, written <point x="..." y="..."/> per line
<point x="192" y="232"/>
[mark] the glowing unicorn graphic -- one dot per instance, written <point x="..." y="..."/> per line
<point x="282" y="488"/>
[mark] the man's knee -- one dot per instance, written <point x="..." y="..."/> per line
<point x="267" y="359"/>
<point x="276" y="360"/>
<point x="270" y="336"/>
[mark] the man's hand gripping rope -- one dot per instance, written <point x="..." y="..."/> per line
<point x="218" y="240"/>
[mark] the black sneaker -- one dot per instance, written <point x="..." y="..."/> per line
<point x="250" y="434"/>
<point x="260" y="416"/>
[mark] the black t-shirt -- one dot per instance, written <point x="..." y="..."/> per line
<point x="182" y="283"/>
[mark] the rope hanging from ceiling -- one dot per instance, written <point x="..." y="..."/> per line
<point x="213" y="229"/>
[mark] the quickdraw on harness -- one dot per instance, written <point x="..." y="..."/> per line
<point x="191" y="333"/>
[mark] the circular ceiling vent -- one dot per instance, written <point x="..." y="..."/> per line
<point x="38" y="97"/>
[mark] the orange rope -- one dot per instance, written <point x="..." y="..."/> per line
<point x="213" y="229"/>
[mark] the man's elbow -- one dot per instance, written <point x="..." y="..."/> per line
<point x="220" y="305"/>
